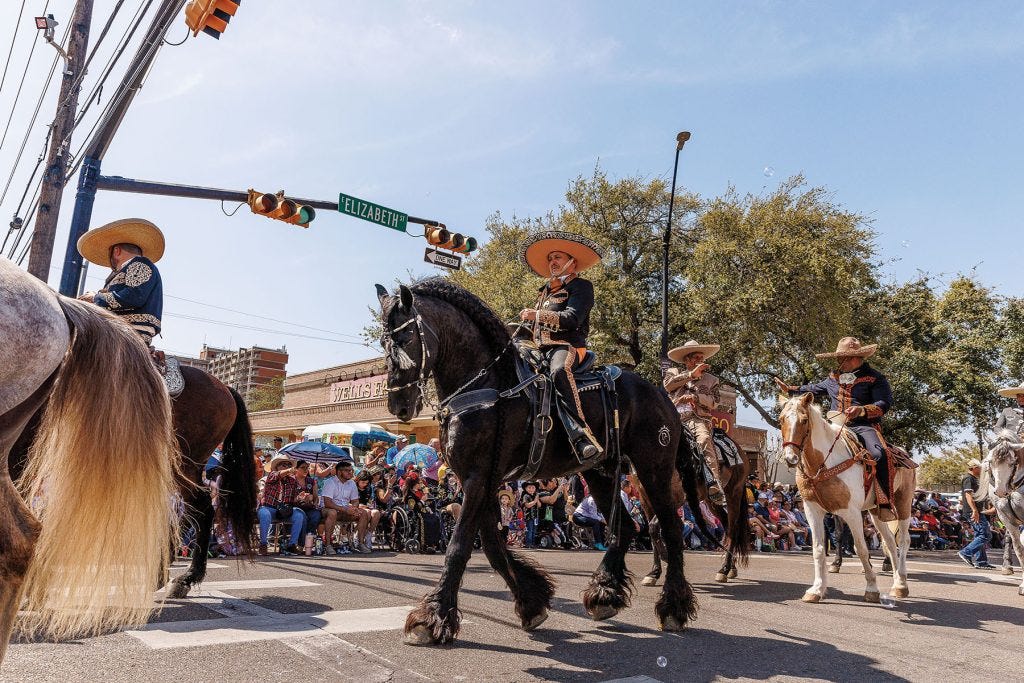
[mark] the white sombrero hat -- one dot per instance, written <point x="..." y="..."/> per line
<point x="680" y="353"/>
<point x="1011" y="392"/>
<point x="95" y="245"/>
<point x="850" y="347"/>
<point x="279" y="459"/>
<point x="536" y="249"/>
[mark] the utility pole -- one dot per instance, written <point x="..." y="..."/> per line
<point x="130" y="86"/>
<point x="60" y="143"/>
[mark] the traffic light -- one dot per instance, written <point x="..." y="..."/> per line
<point x="210" y="16"/>
<point x="442" y="238"/>
<point x="280" y="208"/>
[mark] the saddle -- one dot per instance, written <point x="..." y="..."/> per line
<point x="170" y="370"/>
<point x="893" y="459"/>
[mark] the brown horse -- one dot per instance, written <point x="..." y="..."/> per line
<point x="82" y="556"/>
<point x="735" y="516"/>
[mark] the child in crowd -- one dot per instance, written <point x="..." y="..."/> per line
<point x="530" y="503"/>
<point x="507" y="515"/>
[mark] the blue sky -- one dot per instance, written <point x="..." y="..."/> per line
<point x="910" y="113"/>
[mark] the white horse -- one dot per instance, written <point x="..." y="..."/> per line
<point x="830" y="478"/>
<point x="1002" y="484"/>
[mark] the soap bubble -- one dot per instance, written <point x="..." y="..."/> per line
<point x="662" y="662"/>
<point x="887" y="601"/>
<point x="905" y="243"/>
<point x="768" y="171"/>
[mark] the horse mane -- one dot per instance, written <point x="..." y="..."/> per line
<point x="461" y="298"/>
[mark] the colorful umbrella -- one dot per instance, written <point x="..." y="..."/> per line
<point x="421" y="455"/>
<point x="316" y="451"/>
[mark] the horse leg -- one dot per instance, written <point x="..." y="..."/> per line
<point x="611" y="583"/>
<point x="1018" y="549"/>
<point x="728" y="569"/>
<point x="436" y="619"/>
<point x="19" y="529"/>
<point x="816" y="519"/>
<point x="856" y="523"/>
<point x="202" y="507"/>
<point x="532" y="587"/>
<point x="889" y="542"/>
<point x="899" y="566"/>
<point x="658" y="548"/>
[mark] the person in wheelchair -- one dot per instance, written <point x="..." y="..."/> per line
<point x="560" y="321"/>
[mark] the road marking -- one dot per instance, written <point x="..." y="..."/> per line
<point x="633" y="679"/>
<point x="256" y="583"/>
<point x="266" y="625"/>
<point x="350" y="662"/>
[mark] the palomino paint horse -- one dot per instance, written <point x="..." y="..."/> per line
<point x="84" y="554"/>
<point x="1002" y="483"/>
<point x="439" y="331"/>
<point x="735" y="516"/>
<point x="813" y="445"/>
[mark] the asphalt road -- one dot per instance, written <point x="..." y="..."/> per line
<point x="339" y="618"/>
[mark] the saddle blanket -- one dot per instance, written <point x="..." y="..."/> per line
<point x="726" y="447"/>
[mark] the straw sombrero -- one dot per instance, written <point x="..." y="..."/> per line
<point x="95" y="245"/>
<point x="1011" y="392"/>
<point x="850" y="347"/>
<point x="537" y="247"/>
<point x="680" y="353"/>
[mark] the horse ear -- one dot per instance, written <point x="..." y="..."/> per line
<point x="382" y="294"/>
<point x="405" y="295"/>
<point x="805" y="399"/>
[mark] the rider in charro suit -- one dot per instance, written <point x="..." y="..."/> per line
<point x="1012" y="417"/>
<point x="857" y="390"/>
<point x="561" y="321"/>
<point x="133" y="290"/>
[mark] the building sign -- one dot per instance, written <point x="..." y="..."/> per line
<point x="358" y="389"/>
<point x="722" y="420"/>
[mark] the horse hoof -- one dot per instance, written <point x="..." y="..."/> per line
<point x="671" y="624"/>
<point x="901" y="592"/>
<point x="419" y="635"/>
<point x="649" y="581"/>
<point x="602" y="612"/>
<point x="872" y="596"/>
<point x="722" y="577"/>
<point x="1020" y="591"/>
<point x="1006" y="571"/>
<point x="811" y="597"/>
<point x="733" y="573"/>
<point x="834" y="568"/>
<point x="177" y="591"/>
<point x="536" y="621"/>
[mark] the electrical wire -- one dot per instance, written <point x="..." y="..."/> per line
<point x="14" y="38"/>
<point x="225" y="212"/>
<point x="24" y="73"/>
<point x="262" y="329"/>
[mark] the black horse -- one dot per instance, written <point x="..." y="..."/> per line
<point x="440" y="331"/>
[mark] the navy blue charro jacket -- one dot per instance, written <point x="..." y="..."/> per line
<point x="135" y="293"/>
<point x="870" y="390"/>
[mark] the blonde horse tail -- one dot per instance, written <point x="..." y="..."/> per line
<point x="100" y="476"/>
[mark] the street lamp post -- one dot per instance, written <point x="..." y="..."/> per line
<point x="680" y="141"/>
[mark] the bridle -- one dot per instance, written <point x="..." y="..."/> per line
<point x="823" y="473"/>
<point x="423" y="376"/>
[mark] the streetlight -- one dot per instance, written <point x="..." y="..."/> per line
<point x="680" y="141"/>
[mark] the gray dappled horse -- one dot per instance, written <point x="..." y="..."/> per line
<point x="84" y="540"/>
<point x="437" y="331"/>
<point x="1002" y="484"/>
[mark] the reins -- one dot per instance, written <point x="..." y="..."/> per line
<point x="823" y="474"/>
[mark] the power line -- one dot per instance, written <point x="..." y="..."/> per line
<point x="261" y="329"/>
<point x="24" y="73"/>
<point x="14" y="39"/>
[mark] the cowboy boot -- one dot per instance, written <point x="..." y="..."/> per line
<point x="583" y="442"/>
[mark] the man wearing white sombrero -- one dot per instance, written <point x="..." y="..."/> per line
<point x="858" y="391"/>
<point x="561" y="321"/>
<point x="694" y="391"/>
<point x="130" y="248"/>
<point x="1012" y="417"/>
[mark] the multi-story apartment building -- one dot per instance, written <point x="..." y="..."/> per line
<point x="247" y="368"/>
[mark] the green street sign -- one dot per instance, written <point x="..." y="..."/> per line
<point x="375" y="213"/>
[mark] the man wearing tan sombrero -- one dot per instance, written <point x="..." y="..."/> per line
<point x="130" y="248"/>
<point x="561" y="321"/>
<point x="858" y="391"/>
<point x="1012" y="418"/>
<point x="694" y="391"/>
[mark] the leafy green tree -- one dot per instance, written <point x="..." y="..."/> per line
<point x="946" y="469"/>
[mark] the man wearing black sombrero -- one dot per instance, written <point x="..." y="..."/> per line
<point x="561" y="321"/>
<point x="858" y="391"/>
<point x="133" y="290"/>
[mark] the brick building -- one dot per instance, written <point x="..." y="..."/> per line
<point x="247" y="368"/>
<point x="355" y="393"/>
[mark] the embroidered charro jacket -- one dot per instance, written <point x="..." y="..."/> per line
<point x="680" y="385"/>
<point x="1012" y="419"/>
<point x="563" y="315"/>
<point x="135" y="293"/>
<point x="869" y="389"/>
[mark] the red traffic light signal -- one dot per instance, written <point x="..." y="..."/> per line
<point x="278" y="207"/>
<point x="210" y="16"/>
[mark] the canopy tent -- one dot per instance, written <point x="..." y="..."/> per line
<point x="360" y="434"/>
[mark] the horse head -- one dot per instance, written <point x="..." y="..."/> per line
<point x="795" y="425"/>
<point x="1003" y="461"/>
<point x="409" y="352"/>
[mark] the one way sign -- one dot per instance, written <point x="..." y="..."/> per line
<point x="449" y="261"/>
